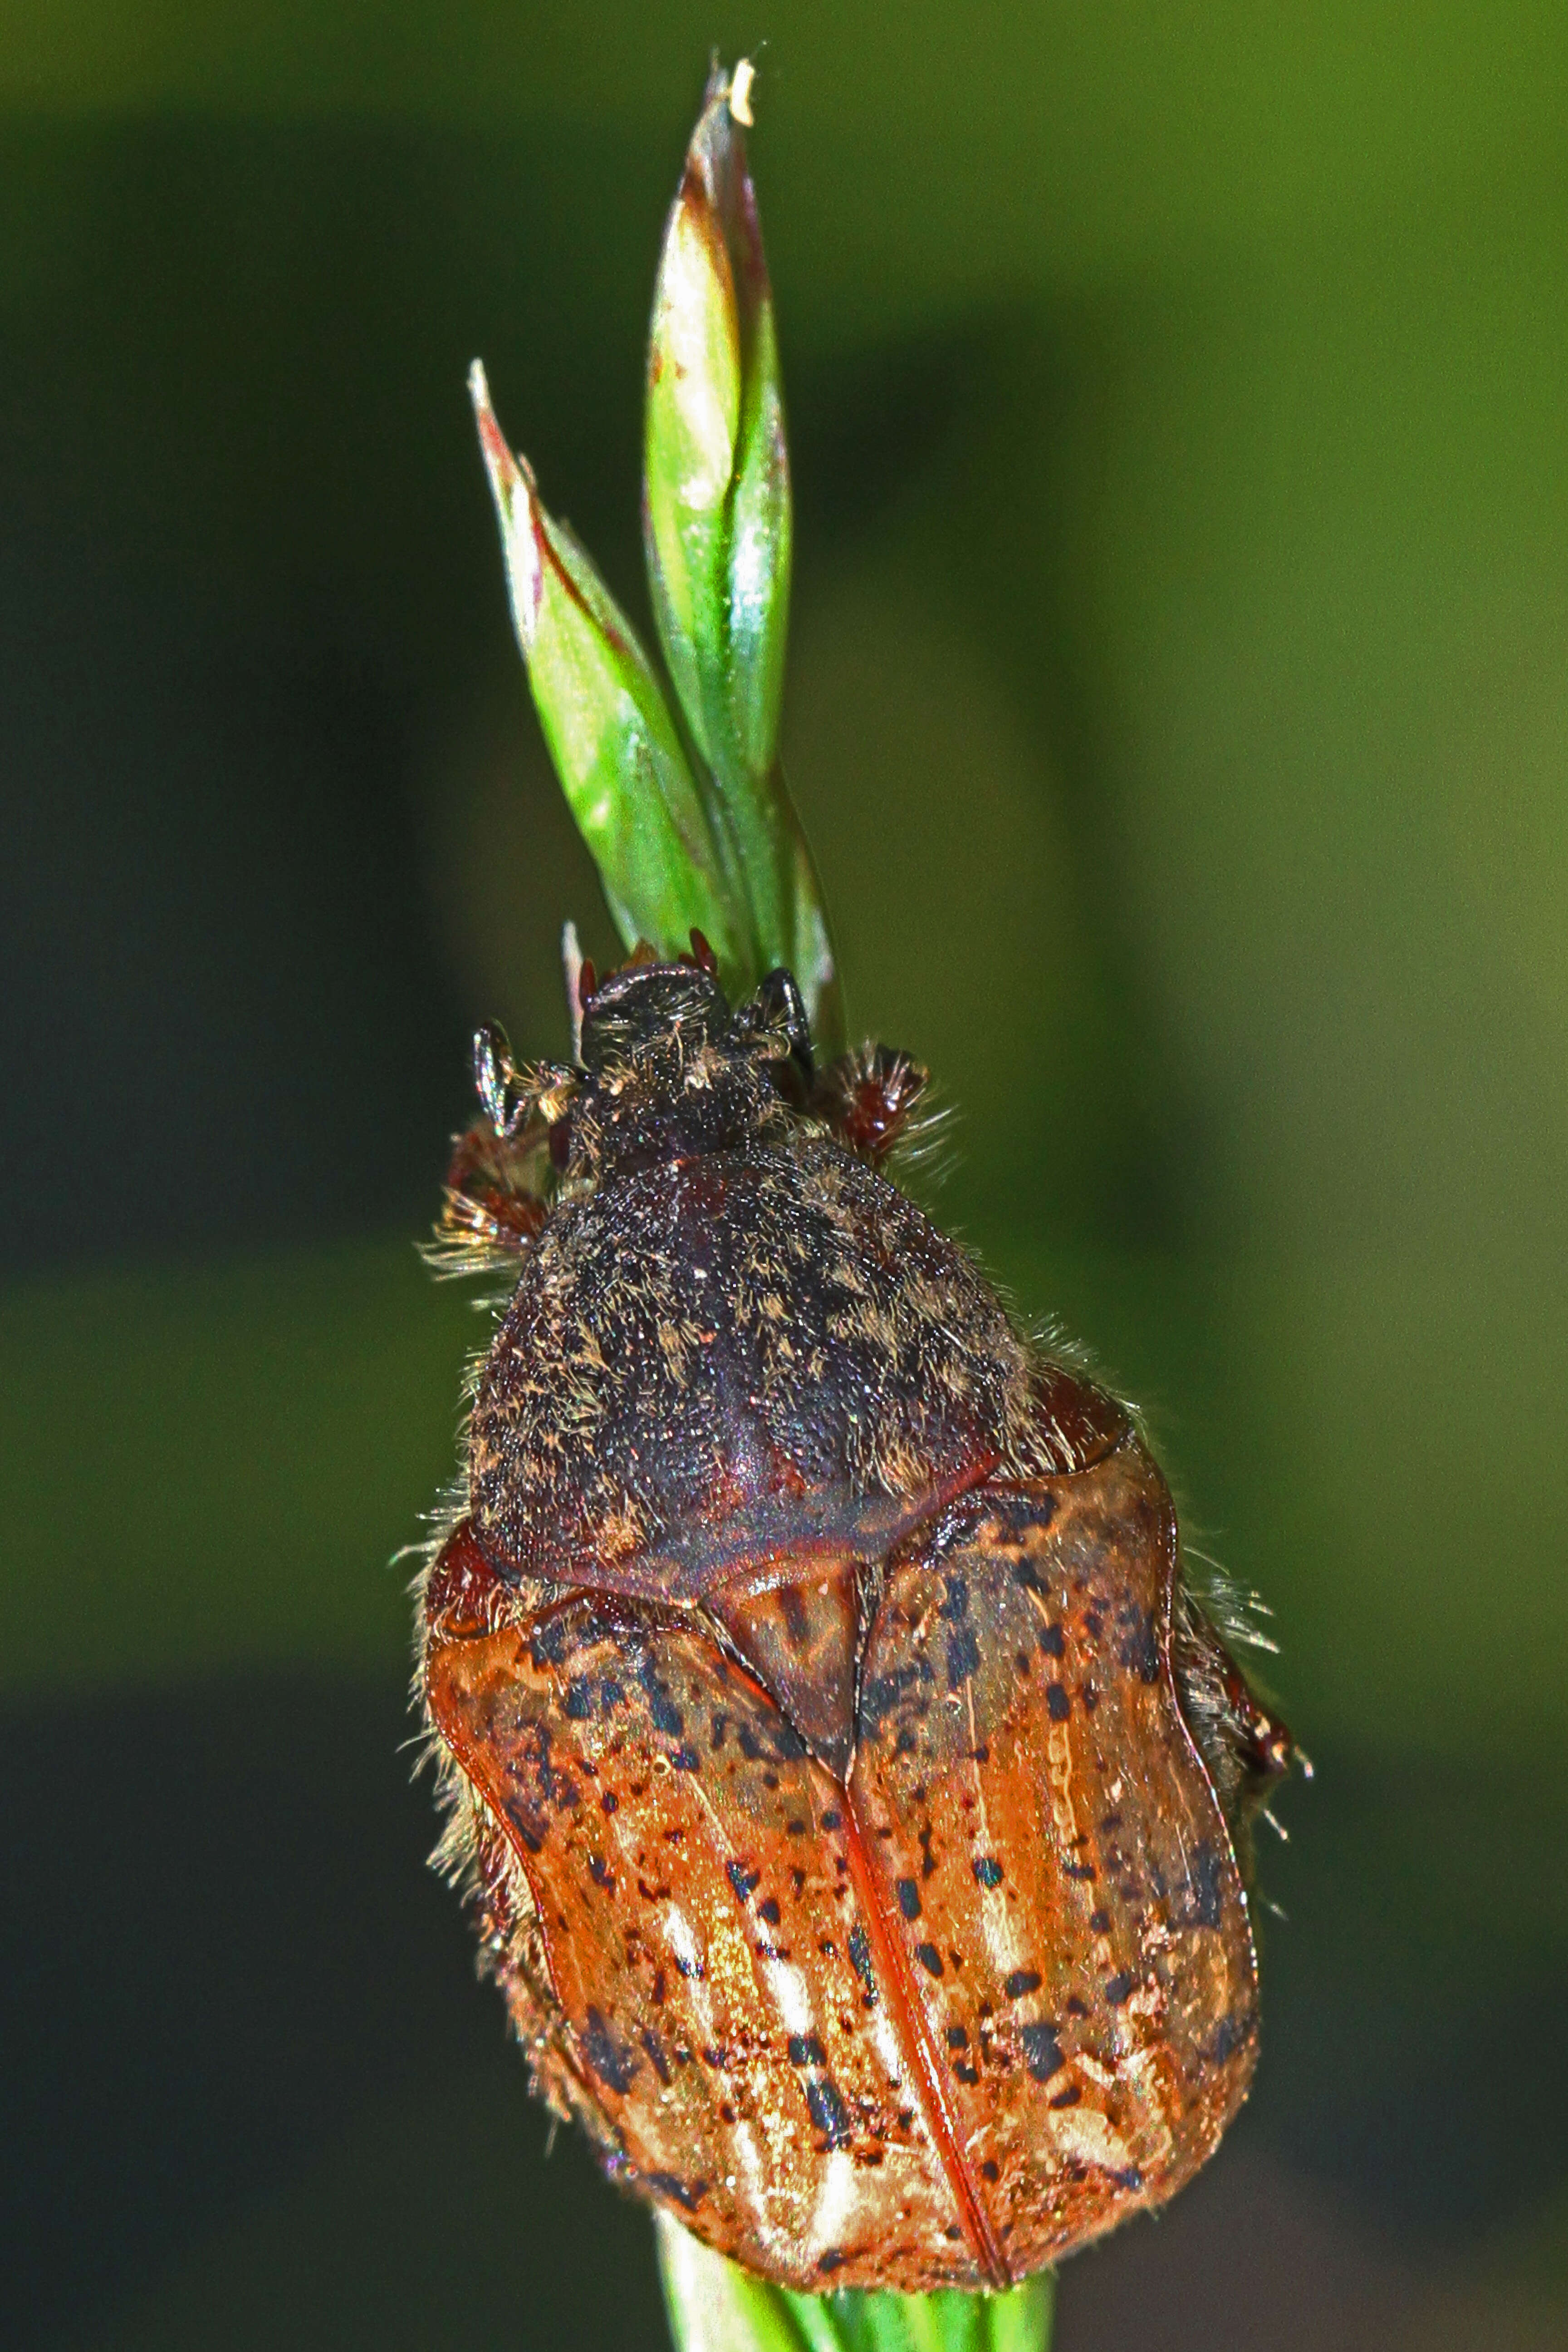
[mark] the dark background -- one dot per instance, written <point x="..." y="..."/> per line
<point x="1179" y="706"/>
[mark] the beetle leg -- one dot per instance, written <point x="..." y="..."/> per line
<point x="1246" y="1748"/>
<point x="866" y="1098"/>
<point x="494" y="1200"/>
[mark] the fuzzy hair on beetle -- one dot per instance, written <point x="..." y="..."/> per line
<point x="849" y="1783"/>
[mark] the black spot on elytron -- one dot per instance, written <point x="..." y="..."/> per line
<point x="1118" y="1988"/>
<point x="1076" y="2008"/>
<point x="578" y="1705"/>
<point x="547" y="1643"/>
<point x="1082" y="1870"/>
<point x="666" y="1716"/>
<point x="954" y="1602"/>
<point x="860" y="1959"/>
<point x="832" y="1819"/>
<point x="1136" y="1648"/>
<point x="987" y="1870"/>
<point x="608" y="2057"/>
<point x="795" y="1826"/>
<point x="1067" y="2098"/>
<point x="1206" y="1903"/>
<point x="788" y="1746"/>
<point x="769" y="1910"/>
<point x="1042" y="2052"/>
<point x="1052" y="1643"/>
<point x="962" y="1657"/>
<point x="1110" y="1821"/>
<point x="965" y="2071"/>
<point x="684" y="1759"/>
<point x="833" y="2260"/>
<point x="556" y="1787"/>
<point x="665" y="2184"/>
<point x="1021" y="1981"/>
<point x="716" y="2056"/>
<point x="990" y="2169"/>
<point x="1091" y="1698"/>
<point x="929" y="1957"/>
<point x="882" y="1694"/>
<point x="654" y="2049"/>
<point x="1099" y="1923"/>
<point x="928" y="1860"/>
<point x="1059" y="1706"/>
<point x="828" y="2112"/>
<point x="1228" y="2035"/>
<point x="1129" y="2178"/>
<point x="601" y="1873"/>
<point x="806" y="2050"/>
<point x="909" y="1897"/>
<point x="744" y="1881"/>
<point x="609" y="1802"/>
<point x="957" y="2039"/>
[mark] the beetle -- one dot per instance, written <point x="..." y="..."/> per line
<point x="849" y="1785"/>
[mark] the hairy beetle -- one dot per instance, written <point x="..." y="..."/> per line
<point x="849" y="1784"/>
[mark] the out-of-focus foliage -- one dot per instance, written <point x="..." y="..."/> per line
<point x="1178" y="707"/>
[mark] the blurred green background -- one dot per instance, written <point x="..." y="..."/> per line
<point x="1179" y="708"/>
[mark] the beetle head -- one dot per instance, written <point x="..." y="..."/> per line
<point x="648" y="1006"/>
<point x="669" y="1070"/>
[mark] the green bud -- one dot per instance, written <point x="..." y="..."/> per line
<point x="717" y="497"/>
<point x="615" y="745"/>
<point x="715" y="2307"/>
<point x="718" y="529"/>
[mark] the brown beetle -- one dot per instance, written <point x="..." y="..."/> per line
<point x="848" y="1783"/>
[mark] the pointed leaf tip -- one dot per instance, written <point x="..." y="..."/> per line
<point x="609" y="731"/>
<point x="511" y="487"/>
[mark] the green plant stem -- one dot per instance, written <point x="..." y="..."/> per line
<point x="715" y="2307"/>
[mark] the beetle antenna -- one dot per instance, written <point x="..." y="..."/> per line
<point x="513" y="1094"/>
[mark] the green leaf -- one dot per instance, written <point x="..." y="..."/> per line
<point x="718" y="526"/>
<point x="615" y="745"/>
<point x="716" y="2307"/>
